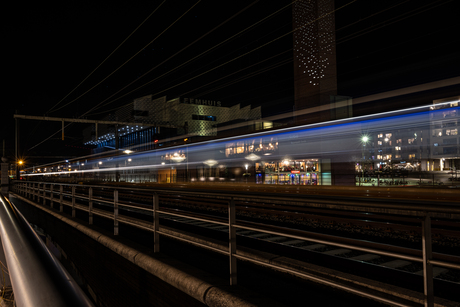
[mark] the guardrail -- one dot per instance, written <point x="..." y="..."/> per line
<point x="37" y="277"/>
<point x="425" y="256"/>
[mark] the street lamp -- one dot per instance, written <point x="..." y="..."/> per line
<point x="19" y="164"/>
<point x="364" y="140"/>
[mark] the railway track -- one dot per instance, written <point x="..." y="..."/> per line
<point x="405" y="229"/>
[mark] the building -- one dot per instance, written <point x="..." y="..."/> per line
<point x="315" y="71"/>
<point x="165" y="119"/>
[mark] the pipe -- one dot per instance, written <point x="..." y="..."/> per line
<point x="37" y="277"/>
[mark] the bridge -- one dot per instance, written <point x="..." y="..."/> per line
<point x="104" y="229"/>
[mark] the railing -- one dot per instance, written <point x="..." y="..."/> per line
<point x="425" y="256"/>
<point x="37" y="278"/>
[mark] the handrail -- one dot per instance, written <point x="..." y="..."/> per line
<point x="37" y="278"/>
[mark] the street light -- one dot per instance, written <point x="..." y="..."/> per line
<point x="364" y="140"/>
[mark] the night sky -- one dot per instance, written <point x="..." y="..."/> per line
<point x="50" y="48"/>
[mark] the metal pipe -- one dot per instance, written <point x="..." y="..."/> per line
<point x="37" y="277"/>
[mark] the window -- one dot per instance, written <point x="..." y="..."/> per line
<point x="398" y="141"/>
<point x="397" y="147"/>
<point x="240" y="147"/>
<point x="140" y="113"/>
<point x="451" y="132"/>
<point x="204" y="117"/>
<point x="411" y="156"/>
<point x="449" y="150"/>
<point x="449" y="141"/>
<point x="410" y="141"/>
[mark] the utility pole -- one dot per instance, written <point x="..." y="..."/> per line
<point x="16" y="129"/>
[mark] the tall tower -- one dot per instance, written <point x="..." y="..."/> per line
<point x="315" y="73"/>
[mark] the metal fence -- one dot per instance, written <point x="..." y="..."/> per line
<point x="37" y="278"/>
<point x="43" y="191"/>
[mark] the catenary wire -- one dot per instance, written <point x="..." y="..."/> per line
<point x="234" y="59"/>
<point x="188" y="61"/>
<point x="230" y="61"/>
<point x="109" y="76"/>
<point x="390" y="21"/>
<point x="100" y="64"/>
<point x="113" y="72"/>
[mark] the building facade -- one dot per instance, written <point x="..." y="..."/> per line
<point x="167" y="118"/>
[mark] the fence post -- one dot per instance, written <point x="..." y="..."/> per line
<point x="90" y="211"/>
<point x="115" y="212"/>
<point x="156" y="224"/>
<point x="33" y="191"/>
<point x="61" y="191"/>
<point x="73" y="201"/>
<point x="427" y="266"/>
<point x="232" y="241"/>
<point x="51" y="195"/>
<point x="44" y="194"/>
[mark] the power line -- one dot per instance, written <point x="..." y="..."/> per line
<point x="100" y="64"/>
<point x="188" y="61"/>
<point x="218" y="66"/>
<point x="234" y="59"/>
<point x="130" y="57"/>
<point x="113" y="73"/>
<point x="390" y="21"/>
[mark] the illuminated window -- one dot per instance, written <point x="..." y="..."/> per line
<point x="240" y="147"/>
<point x="380" y="142"/>
<point x="398" y="141"/>
<point x="204" y="117"/>
<point x="397" y="147"/>
<point x="410" y="141"/>
<point x="411" y="156"/>
<point x="380" y="135"/>
<point x="388" y="135"/>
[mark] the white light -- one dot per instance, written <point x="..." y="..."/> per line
<point x="252" y="157"/>
<point x="210" y="162"/>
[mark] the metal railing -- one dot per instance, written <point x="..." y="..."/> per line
<point x="38" y="189"/>
<point x="37" y="277"/>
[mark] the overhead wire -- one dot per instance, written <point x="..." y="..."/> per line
<point x="192" y="59"/>
<point x="247" y="53"/>
<point x="383" y="24"/>
<point x="113" y="72"/>
<point x="240" y="70"/>
<point x="371" y="15"/>
<point x="212" y="69"/>
<point x="238" y="57"/>
<point x="100" y="64"/>
<point x="390" y="21"/>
